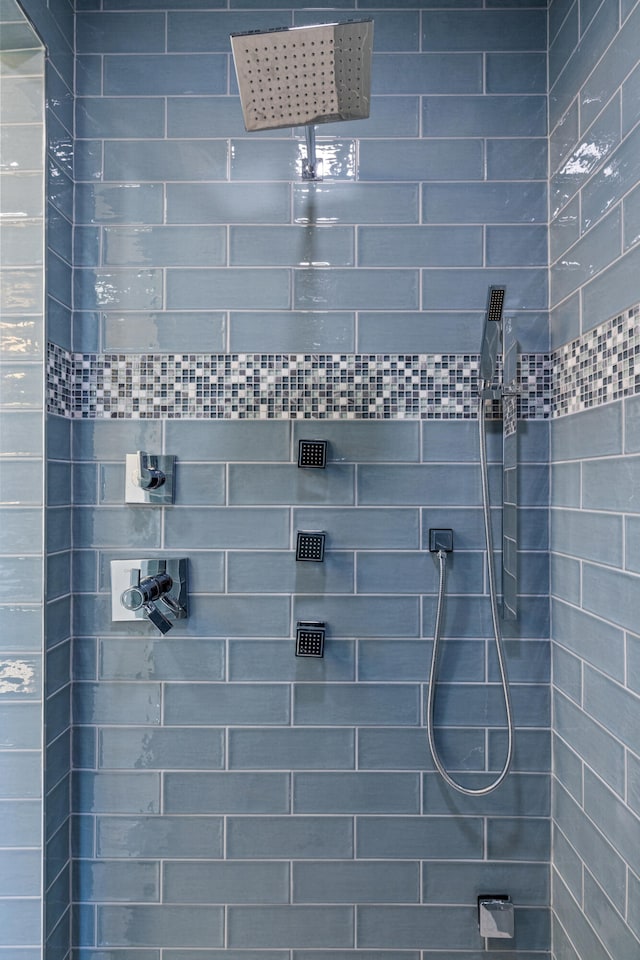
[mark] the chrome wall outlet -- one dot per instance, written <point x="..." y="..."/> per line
<point x="149" y="478"/>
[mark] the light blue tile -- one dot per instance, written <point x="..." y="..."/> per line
<point x="166" y="925"/>
<point x="630" y="100"/>
<point x="172" y="837"/>
<point x="526" y="288"/>
<point x="355" y="203"/>
<point x="88" y="74"/>
<point x="420" y="160"/>
<point x="485" y="203"/>
<point x="610" y="183"/>
<point x="318" y="749"/>
<point x="390" y="116"/>
<point x="21" y="148"/>
<point x="226" y="793"/>
<point x="149" y="749"/>
<point x="20" y="386"/>
<point x="22" y="240"/>
<point x="564" y="43"/>
<point x="292" y="332"/>
<point x="165" y="74"/>
<point x="21" y="582"/>
<point x="567" y="673"/>
<point x="588" y="535"/>
<point x="291" y="246"/>
<point x="593" y="433"/>
<point x="119" y="203"/>
<point x="564" y="321"/>
<point x="164" y="246"/>
<point x="394" y="749"/>
<point x="120" y="32"/>
<point x="579" y="930"/>
<point x="564" y="230"/>
<point x="599" y="694"/>
<point x="20" y="873"/>
<point x="565" y="576"/>
<point x="599" y="493"/>
<point x="226" y="883"/>
<point x="355" y="793"/>
<point x="21" y="100"/>
<point x="484" y="116"/>
<point x="21" y="482"/>
<point x="425" y="484"/>
<point x="141" y="160"/>
<point x="107" y="440"/>
<point x="632" y="544"/>
<point x="273" y="660"/>
<point x="610" y="594"/>
<point x="20" y="921"/>
<point x="563" y="137"/>
<point x="164" y="332"/>
<point x="567" y="863"/>
<point x="516" y="246"/>
<point x="611" y="815"/>
<point x="115" y="526"/>
<point x="203" y="116"/>
<point x="228" y="527"/>
<point x="516" y="72"/>
<point x="286" y="484"/>
<point x="21" y="292"/>
<point x="532" y="751"/>
<point x="484" y="30"/>
<point x="417" y="573"/>
<point x="361" y="616"/>
<point x="237" y="704"/>
<point x="420" y="837"/>
<point x="526" y="156"/>
<point x="608" y="75"/>
<point x="613" y="929"/>
<point x="283" y="159"/>
<point x="599" y="643"/>
<point x="222" y="441"/>
<point x="612" y="291"/>
<point x="519" y="795"/>
<point x="589" y="740"/>
<point x="21" y="333"/>
<point x="419" y="246"/>
<point x="518" y="839"/>
<point x="276" y="572"/>
<point x="445" y="882"/>
<point x="116" y="881"/>
<point x="117" y="703"/>
<point x="417" y="332"/>
<point x="289" y="837"/>
<point x="393" y="30"/>
<point x="290" y="926"/>
<point x="107" y="117"/>
<point x="361" y="440"/>
<point x="88" y="160"/>
<point x="118" y="289"/>
<point x="20" y="722"/>
<point x="226" y="955"/>
<point x="188" y="32"/>
<point x="116" y="792"/>
<point x="405" y="926"/>
<point x="356" y="705"/>
<point x="568" y="768"/>
<point x="631" y="217"/>
<point x="356" y="882"/>
<point x="354" y="289"/>
<point x="232" y="288"/>
<point x="430" y="73"/>
<point x="587" y="258"/>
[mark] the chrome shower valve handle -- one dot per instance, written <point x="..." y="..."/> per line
<point x="142" y="594"/>
<point x="148" y="475"/>
<point x="155" y="590"/>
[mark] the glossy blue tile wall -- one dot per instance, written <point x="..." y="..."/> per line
<point x="594" y="254"/>
<point x="230" y="799"/>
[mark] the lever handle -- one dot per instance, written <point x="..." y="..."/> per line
<point x="157" y="618"/>
<point x="148" y="476"/>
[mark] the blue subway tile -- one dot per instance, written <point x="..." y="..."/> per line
<point x="226" y="883"/>
<point x="612" y="928"/>
<point x="358" y="704"/>
<point x="587" y="738"/>
<point x="426" y="73"/>
<point x="20" y="873"/>
<point x="116" y="792"/>
<point x="565" y="485"/>
<point x="134" y="881"/>
<point x="224" y="202"/>
<point x="297" y="837"/>
<point x="352" y="289"/>
<point x="118" y="289"/>
<point x="221" y="288"/>
<point x="165" y="74"/>
<point x="240" y="441"/>
<point x="424" y="837"/>
<point x="316" y="749"/>
<point x="516" y="246"/>
<point x="417" y="573"/>
<point x="588" y="535"/>
<point x="167" y="332"/>
<point x="111" y="526"/>
<point x="520" y="795"/>
<point x="286" y="484"/>
<point x="565" y="576"/>
<point x="590" y="256"/>
<point x="291" y="246"/>
<point x="484" y="116"/>
<point x="228" y="527"/>
<point x="390" y="160"/>
<point x="191" y="31"/>
<point x="151" y="749"/>
<point x="155" y="837"/>
<point x="107" y="117"/>
<point x="611" y="815"/>
<point x="284" y="159"/>
<point x="563" y="43"/>
<point x="119" y="203"/>
<point x="394" y="30"/>
<point x="615" y="179"/>
<point x="355" y="203"/>
<point x="226" y="793"/>
<point x="118" y="703"/>
<point x="141" y="160"/>
<point x="166" y="925"/>
<point x="20" y="921"/>
<point x="520" y="72"/>
<point x="364" y="882"/>
<point x="390" y="116"/>
<point x="233" y="704"/>
<point x="408" y="926"/>
<point x="612" y="291"/>
<point x="202" y="116"/>
<point x="630" y="100"/>
<point x="120" y="32"/>
<point x="275" y="572"/>
<point x="290" y="926"/>
<point x="196" y="246"/>
<point x="491" y="202"/>
<point x="420" y="246"/>
<point x="484" y="30"/>
<point x="599" y="694"/>
<point x="611" y="595"/>
<point x="397" y="749"/>
<point x="445" y="882"/>
<point x="567" y="673"/>
<point x="20" y="528"/>
<point x="427" y="484"/>
<point x="292" y="332"/>
<point x="609" y="73"/>
<point x="361" y="616"/>
<point x="631" y="217"/>
<point x="21" y="480"/>
<point x="592" y="433"/>
<point x="272" y="660"/>
<point x="355" y="793"/>
<point x="358" y="441"/>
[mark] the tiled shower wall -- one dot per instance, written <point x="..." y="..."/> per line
<point x="595" y="228"/>
<point x="232" y="801"/>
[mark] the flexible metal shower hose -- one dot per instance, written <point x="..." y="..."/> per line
<point x="497" y="634"/>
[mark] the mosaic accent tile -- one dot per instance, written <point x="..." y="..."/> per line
<point x="269" y="386"/>
<point x="601" y="366"/>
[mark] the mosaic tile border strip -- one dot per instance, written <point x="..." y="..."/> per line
<point x="601" y="366"/>
<point x="282" y="386"/>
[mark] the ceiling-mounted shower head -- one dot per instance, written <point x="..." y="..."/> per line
<point x="492" y="333"/>
<point x="294" y="76"/>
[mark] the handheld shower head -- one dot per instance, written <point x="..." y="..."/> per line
<point x="492" y="333"/>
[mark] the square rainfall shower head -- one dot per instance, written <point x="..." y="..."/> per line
<point x="293" y="76"/>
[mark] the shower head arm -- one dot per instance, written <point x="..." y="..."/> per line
<point x="310" y="163"/>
